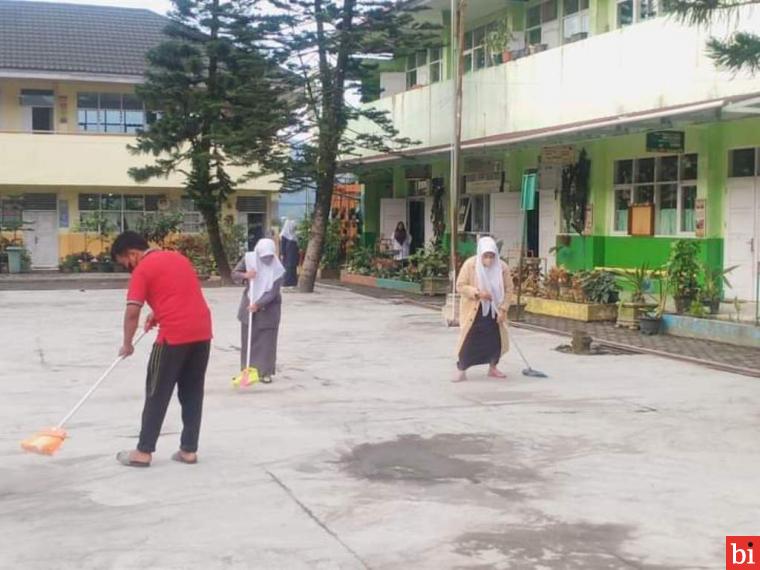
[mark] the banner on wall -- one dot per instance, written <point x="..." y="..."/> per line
<point x="700" y="218"/>
<point x="560" y="155"/>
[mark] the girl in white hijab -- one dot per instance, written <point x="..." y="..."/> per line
<point x="262" y="273"/>
<point x="485" y="286"/>
<point x="291" y="256"/>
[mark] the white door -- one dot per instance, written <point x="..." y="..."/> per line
<point x="547" y="226"/>
<point x="507" y="222"/>
<point x="742" y="212"/>
<point x="42" y="238"/>
<point x="428" y="220"/>
<point x="392" y="211"/>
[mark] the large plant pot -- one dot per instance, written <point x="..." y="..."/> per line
<point x="14" y="258"/>
<point x="683" y="304"/>
<point x="713" y="306"/>
<point x="586" y="312"/>
<point x="649" y="325"/>
<point x="629" y="314"/>
<point x="329" y="273"/>
<point x="356" y="279"/>
<point x="433" y="286"/>
<point x="85" y="266"/>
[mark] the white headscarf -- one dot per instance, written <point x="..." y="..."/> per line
<point x="289" y="230"/>
<point x="266" y="274"/>
<point x="490" y="279"/>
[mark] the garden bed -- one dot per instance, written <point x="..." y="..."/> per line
<point x="585" y="312"/>
<point x="711" y="329"/>
<point x="380" y="283"/>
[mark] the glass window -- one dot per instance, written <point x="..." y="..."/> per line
<point x="623" y="172"/>
<point x="742" y="163"/>
<point x="548" y="11"/>
<point x="645" y="170"/>
<point x="571" y="7"/>
<point x="134" y="203"/>
<point x="534" y="37"/>
<point x="667" y="209"/>
<point x="622" y="203"/>
<point x="667" y="169"/>
<point x="534" y="16"/>
<point x="647" y="9"/>
<point x="480" y="212"/>
<point x="689" y="165"/>
<point x="688" y="206"/>
<point x="111" y="202"/>
<point x="89" y="202"/>
<point x="110" y="113"/>
<point x="87" y="111"/>
<point x="624" y="13"/>
<point x="644" y="194"/>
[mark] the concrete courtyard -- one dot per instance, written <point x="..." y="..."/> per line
<point x="364" y="455"/>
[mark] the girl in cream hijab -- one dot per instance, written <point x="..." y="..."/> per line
<point x="485" y="286"/>
<point x="263" y="273"/>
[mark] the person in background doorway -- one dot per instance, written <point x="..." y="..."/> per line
<point x="402" y="242"/>
<point x="485" y="287"/>
<point x="167" y="282"/>
<point x="264" y="302"/>
<point x="289" y="253"/>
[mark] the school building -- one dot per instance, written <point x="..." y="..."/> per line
<point x="672" y="141"/>
<point x="67" y="113"/>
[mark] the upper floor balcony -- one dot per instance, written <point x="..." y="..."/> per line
<point x="652" y="66"/>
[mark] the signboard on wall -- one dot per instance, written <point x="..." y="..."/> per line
<point x="63" y="109"/>
<point x="588" y="228"/>
<point x="666" y="141"/>
<point x="560" y="155"/>
<point x="700" y="217"/>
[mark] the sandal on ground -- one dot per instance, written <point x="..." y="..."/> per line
<point x="267" y="379"/>
<point x="179" y="458"/>
<point x="496" y="373"/>
<point x="125" y="458"/>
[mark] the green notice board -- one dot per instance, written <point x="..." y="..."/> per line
<point x="666" y="141"/>
<point x="528" y="193"/>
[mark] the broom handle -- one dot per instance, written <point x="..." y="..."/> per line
<point x="95" y="386"/>
<point x="250" y="329"/>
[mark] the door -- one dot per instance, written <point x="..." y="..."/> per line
<point x="741" y="247"/>
<point x="428" y="220"/>
<point x="42" y="119"/>
<point x="417" y="224"/>
<point x="547" y="225"/>
<point x="255" y="224"/>
<point x="42" y="238"/>
<point x="392" y="211"/>
<point x="506" y="222"/>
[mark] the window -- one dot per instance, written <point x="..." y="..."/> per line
<point x="192" y="221"/>
<point x="39" y="104"/>
<point x="424" y="67"/>
<point x="669" y="183"/>
<point x="476" y="53"/>
<point x="537" y="17"/>
<point x="120" y="211"/>
<point x="478" y="214"/>
<point x="633" y="11"/>
<point x="11" y="211"/>
<point x="576" y="20"/>
<point x="111" y="113"/>
<point x="742" y="163"/>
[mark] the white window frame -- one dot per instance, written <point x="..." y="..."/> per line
<point x="123" y="211"/>
<point x="435" y="63"/>
<point x="471" y="49"/>
<point x="558" y="8"/>
<point x="638" y="14"/>
<point x="420" y="70"/>
<point x="582" y="15"/>
<point x="192" y="220"/>
<point x="657" y="185"/>
<point x="474" y="201"/>
<point x="757" y="162"/>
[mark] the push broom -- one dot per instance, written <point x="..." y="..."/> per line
<point x="248" y="375"/>
<point x="48" y="440"/>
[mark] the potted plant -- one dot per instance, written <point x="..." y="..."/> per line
<point x="714" y="280"/>
<point x="600" y="287"/>
<point x="683" y="270"/>
<point x="498" y="40"/>
<point x="650" y="322"/>
<point x="331" y="258"/>
<point x="630" y="312"/>
<point x="431" y="269"/>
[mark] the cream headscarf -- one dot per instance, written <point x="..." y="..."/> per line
<point x="266" y="273"/>
<point x="289" y="230"/>
<point x="490" y="279"/>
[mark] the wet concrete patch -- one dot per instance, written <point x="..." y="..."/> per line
<point x="443" y="457"/>
<point x="580" y="546"/>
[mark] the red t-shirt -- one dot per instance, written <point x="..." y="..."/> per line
<point x="167" y="281"/>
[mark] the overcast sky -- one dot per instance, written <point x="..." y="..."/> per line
<point x="159" y="6"/>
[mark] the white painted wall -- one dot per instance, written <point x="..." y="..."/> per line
<point x="650" y="65"/>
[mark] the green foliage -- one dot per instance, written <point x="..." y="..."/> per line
<point x="638" y="280"/>
<point x="600" y="287"/>
<point x="428" y="262"/>
<point x="683" y="269"/>
<point x="302" y="233"/>
<point x="332" y="253"/>
<point x="159" y="226"/>
<point x="221" y="99"/>
<point x="575" y="191"/>
<point x="714" y="280"/>
<point x="741" y="50"/>
<point x="361" y="260"/>
<point x="697" y="309"/>
<point x="96" y="224"/>
<point x="233" y="240"/>
<point x="197" y="249"/>
<point x="499" y="37"/>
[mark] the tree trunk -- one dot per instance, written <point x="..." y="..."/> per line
<point x="211" y="218"/>
<point x="316" y="238"/>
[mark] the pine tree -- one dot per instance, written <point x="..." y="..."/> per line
<point x="741" y="50"/>
<point x="331" y="45"/>
<point x="221" y="99"/>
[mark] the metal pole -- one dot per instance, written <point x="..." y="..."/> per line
<point x="457" y="59"/>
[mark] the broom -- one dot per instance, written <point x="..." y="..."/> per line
<point x="248" y="375"/>
<point x="48" y="440"/>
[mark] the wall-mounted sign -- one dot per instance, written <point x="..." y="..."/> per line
<point x="63" y="109"/>
<point x="528" y="192"/>
<point x="484" y="183"/>
<point x="700" y="218"/>
<point x="418" y="171"/>
<point x="666" y="141"/>
<point x="63" y="213"/>
<point x="560" y="155"/>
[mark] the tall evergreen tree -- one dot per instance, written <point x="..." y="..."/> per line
<point x="741" y="50"/>
<point x="331" y="45"/>
<point x="221" y="99"/>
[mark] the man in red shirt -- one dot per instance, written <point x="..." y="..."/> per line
<point x="166" y="281"/>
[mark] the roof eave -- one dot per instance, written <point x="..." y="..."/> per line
<point x="83" y="76"/>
